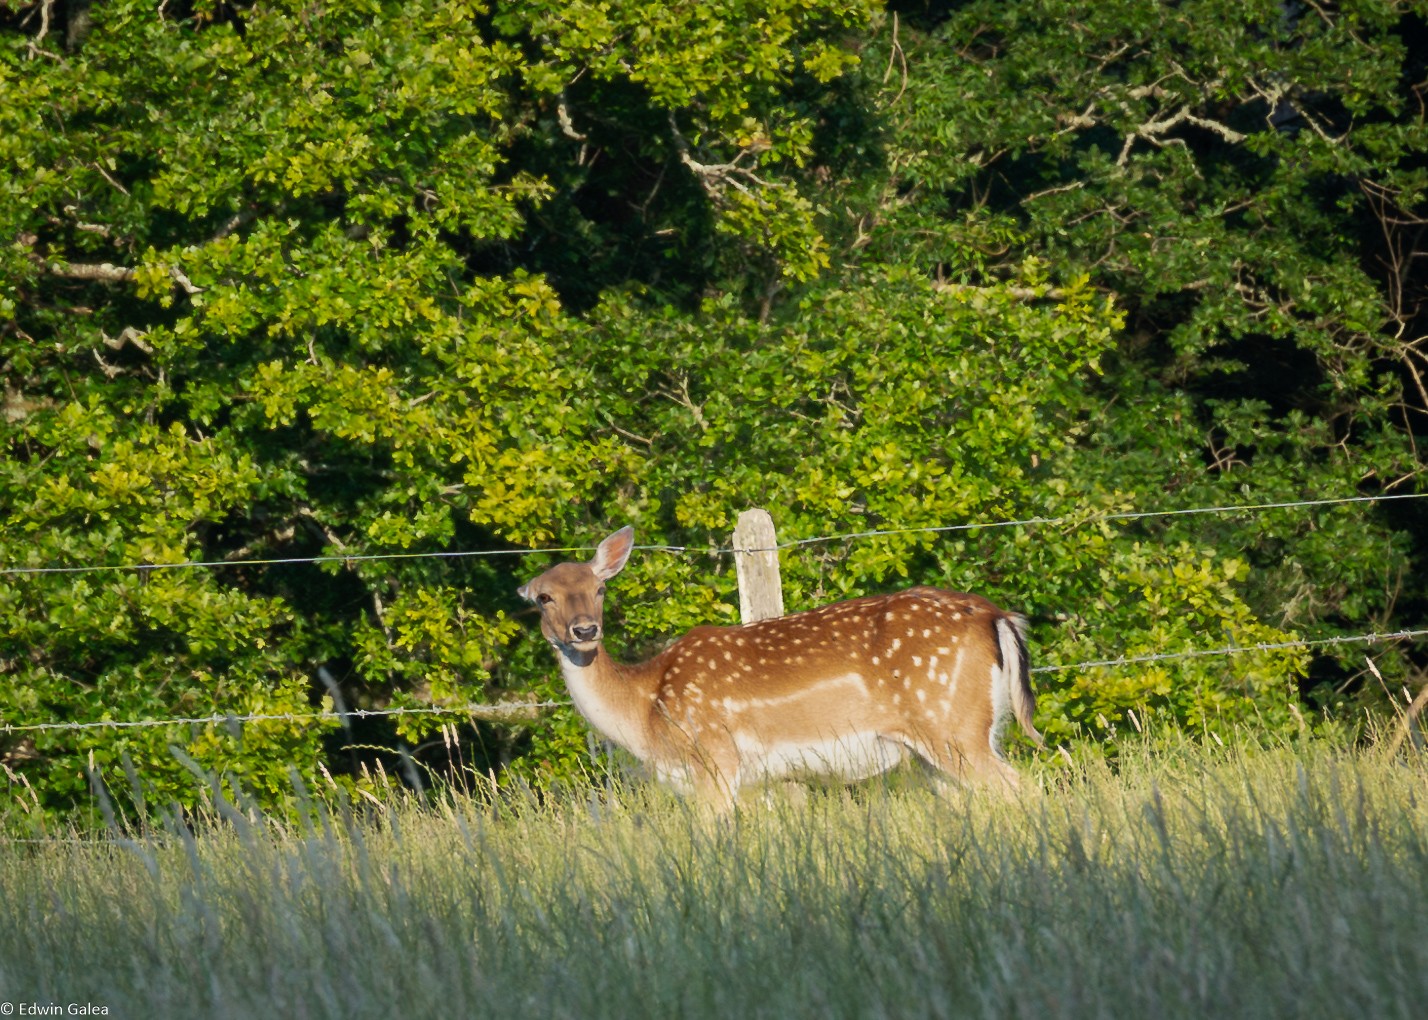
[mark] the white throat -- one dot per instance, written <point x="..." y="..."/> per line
<point x="608" y="700"/>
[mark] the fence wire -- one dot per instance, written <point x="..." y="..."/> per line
<point x="1267" y="646"/>
<point x="497" y="711"/>
<point x="713" y="550"/>
<point x="517" y="709"/>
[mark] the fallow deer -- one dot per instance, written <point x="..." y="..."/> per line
<point x="846" y="691"/>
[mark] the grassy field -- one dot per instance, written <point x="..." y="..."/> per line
<point x="1193" y="883"/>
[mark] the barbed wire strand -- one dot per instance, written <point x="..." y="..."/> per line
<point x="1267" y="646"/>
<point x="1128" y="515"/>
<point x="509" y="709"/>
<point x="498" y="710"/>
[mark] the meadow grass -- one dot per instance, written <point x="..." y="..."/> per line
<point x="1192" y="883"/>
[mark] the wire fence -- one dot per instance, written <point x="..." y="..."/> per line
<point x="505" y="710"/>
<point x="1267" y="646"/>
<point x="513" y="710"/>
<point x="717" y="550"/>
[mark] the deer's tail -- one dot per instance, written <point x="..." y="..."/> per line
<point x="1011" y="690"/>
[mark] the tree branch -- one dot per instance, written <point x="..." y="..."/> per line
<point x="107" y="272"/>
<point x="567" y="126"/>
<point x="712" y="174"/>
<point x="1153" y="131"/>
<point x="103" y="272"/>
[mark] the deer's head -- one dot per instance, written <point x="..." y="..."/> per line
<point x="571" y="596"/>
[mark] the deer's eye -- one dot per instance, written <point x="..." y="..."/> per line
<point x="600" y="591"/>
<point x="545" y="599"/>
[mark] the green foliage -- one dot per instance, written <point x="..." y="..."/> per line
<point x="270" y="302"/>
<point x="1247" y="180"/>
<point x="460" y="277"/>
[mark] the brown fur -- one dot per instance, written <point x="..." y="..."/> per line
<point x="847" y="689"/>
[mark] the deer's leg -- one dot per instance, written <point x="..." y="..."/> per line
<point x="715" y="794"/>
<point x="956" y="766"/>
<point x="714" y="774"/>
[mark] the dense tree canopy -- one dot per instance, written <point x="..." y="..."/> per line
<point x="282" y="280"/>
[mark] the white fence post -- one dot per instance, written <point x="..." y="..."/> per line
<point x="756" y="562"/>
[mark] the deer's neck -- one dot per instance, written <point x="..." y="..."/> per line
<point x="617" y="700"/>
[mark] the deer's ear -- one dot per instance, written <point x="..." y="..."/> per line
<point x="524" y="591"/>
<point x="612" y="553"/>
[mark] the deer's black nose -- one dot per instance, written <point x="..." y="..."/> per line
<point x="585" y="631"/>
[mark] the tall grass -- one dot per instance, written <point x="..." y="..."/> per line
<point x="1265" y="883"/>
